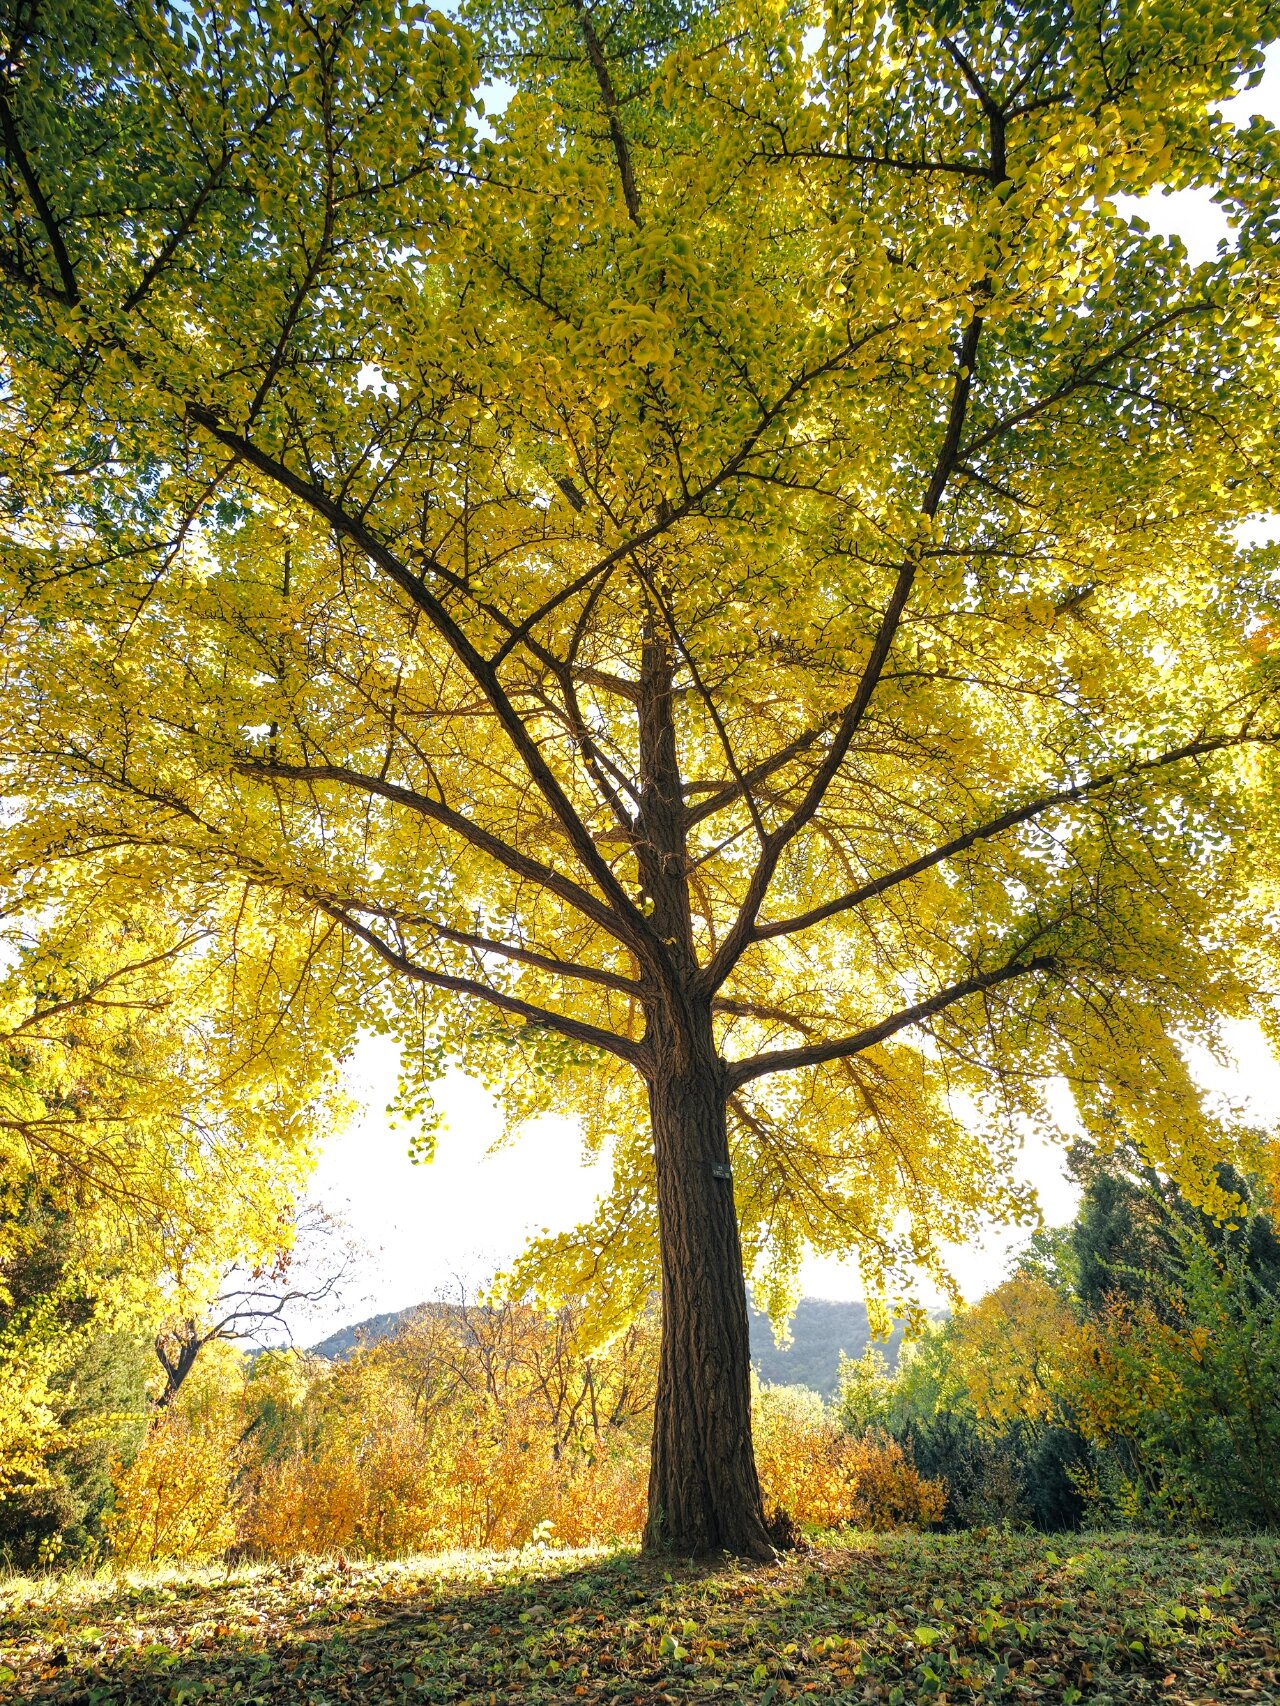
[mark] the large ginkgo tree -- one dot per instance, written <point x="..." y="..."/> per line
<point x="720" y="582"/>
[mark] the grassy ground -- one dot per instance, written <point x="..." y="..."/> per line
<point x="902" y="1619"/>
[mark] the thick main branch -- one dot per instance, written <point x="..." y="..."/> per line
<point x="816" y="1054"/>
<point x="995" y="826"/>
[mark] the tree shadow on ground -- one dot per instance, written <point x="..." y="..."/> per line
<point x="895" y="1619"/>
<point x="368" y="1634"/>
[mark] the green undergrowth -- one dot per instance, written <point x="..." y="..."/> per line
<point x="897" y="1619"/>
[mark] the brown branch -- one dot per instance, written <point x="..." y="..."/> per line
<point x="626" y="917"/>
<point x="986" y="99"/>
<point x="598" y="763"/>
<point x="743" y="928"/>
<point x="70" y="293"/>
<point x="737" y="1009"/>
<point x="984" y="832"/>
<point x="955" y="168"/>
<point x="530" y="957"/>
<point x="169" y="248"/>
<point x="621" y="149"/>
<point x="742" y="1072"/>
<point x="713" y="712"/>
<point x="522" y="864"/>
<point x="725" y="793"/>
<point x="593" y="1035"/>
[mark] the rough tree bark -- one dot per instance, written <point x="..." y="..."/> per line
<point x="703" y="1490"/>
<point x="704" y="1493"/>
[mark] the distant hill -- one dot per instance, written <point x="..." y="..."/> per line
<point x="340" y="1345"/>
<point x="820" y="1331"/>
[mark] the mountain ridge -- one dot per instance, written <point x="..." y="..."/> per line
<point x="821" y="1330"/>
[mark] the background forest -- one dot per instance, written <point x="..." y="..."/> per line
<point x="1124" y="1375"/>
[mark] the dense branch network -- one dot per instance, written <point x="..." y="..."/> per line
<point x="782" y="793"/>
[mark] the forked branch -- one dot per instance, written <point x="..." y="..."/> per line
<point x="592" y="1035"/>
<point x="776" y="843"/>
<point x="626" y="916"/>
<point x="689" y="503"/>
<point x="816" y="1054"/>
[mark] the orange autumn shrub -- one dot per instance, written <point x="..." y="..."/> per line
<point x="890" y="1490"/>
<point x="304" y="1505"/>
<point x="823" y="1477"/>
<point x="175" y="1501"/>
<point x="603" y="1499"/>
<point x="477" y="1427"/>
<point x="405" y="1495"/>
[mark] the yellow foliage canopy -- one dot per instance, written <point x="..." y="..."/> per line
<point x="726" y="593"/>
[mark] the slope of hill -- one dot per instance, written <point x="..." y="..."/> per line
<point x="820" y="1331"/>
<point x="371" y="1331"/>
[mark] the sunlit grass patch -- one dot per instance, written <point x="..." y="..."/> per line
<point x="896" y="1619"/>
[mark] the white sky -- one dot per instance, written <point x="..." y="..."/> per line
<point x="471" y="1210"/>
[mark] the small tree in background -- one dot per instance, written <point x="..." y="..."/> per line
<point x="1176" y="1366"/>
<point x="1126" y="1370"/>
<point x="263" y="1305"/>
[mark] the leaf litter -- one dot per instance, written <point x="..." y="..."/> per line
<point x="901" y="1619"/>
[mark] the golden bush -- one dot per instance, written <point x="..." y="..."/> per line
<point x="480" y="1426"/>
<point x="823" y="1477"/>
<point x="175" y="1501"/>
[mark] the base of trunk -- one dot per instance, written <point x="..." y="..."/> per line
<point x="695" y="1521"/>
<point x="704" y="1494"/>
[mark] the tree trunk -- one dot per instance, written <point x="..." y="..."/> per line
<point x="704" y="1494"/>
<point x="177" y="1353"/>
